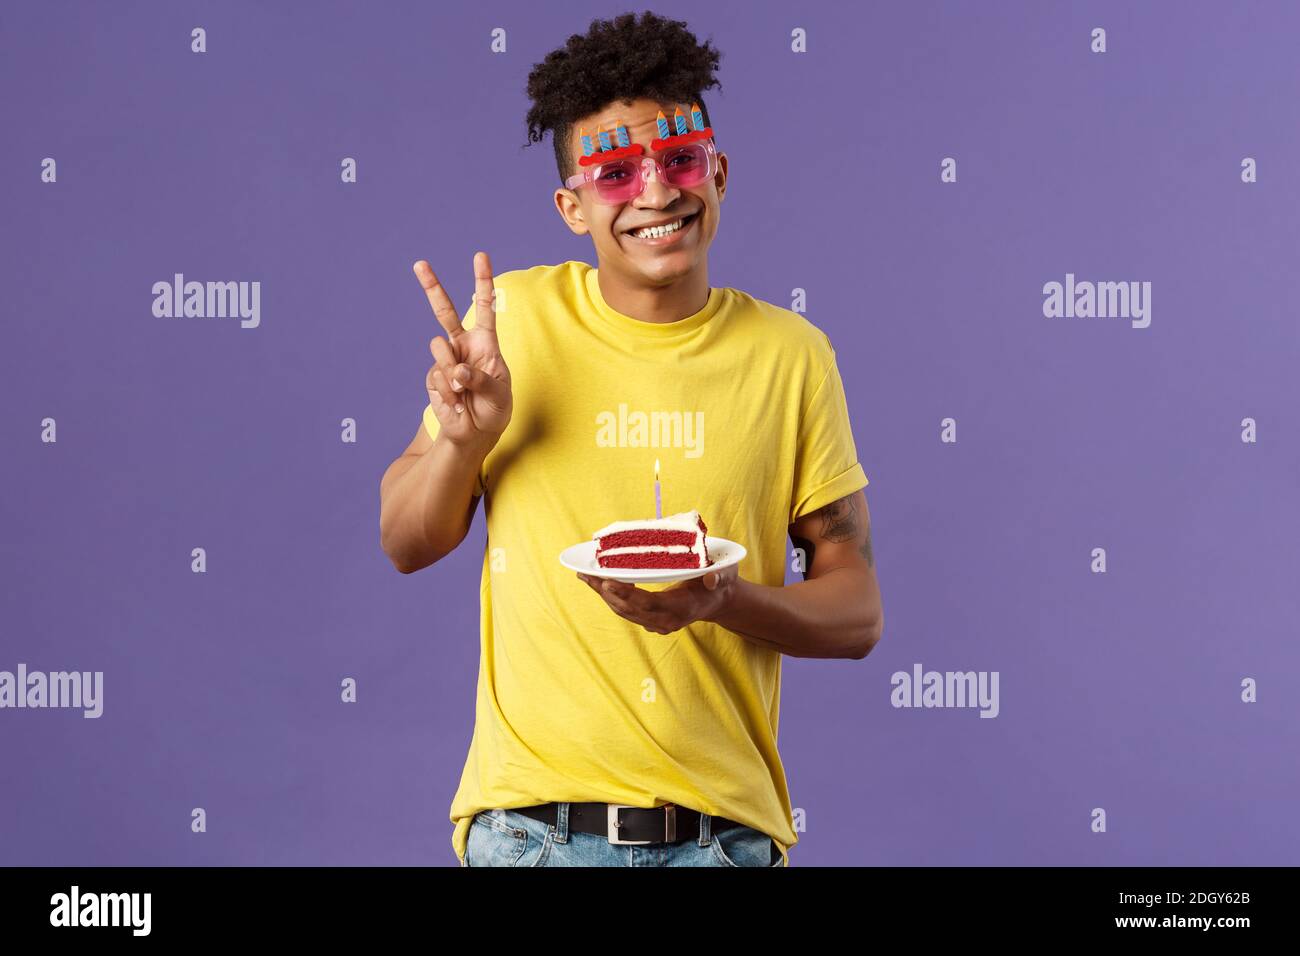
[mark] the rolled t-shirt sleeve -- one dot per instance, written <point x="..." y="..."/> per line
<point x="826" y="464"/>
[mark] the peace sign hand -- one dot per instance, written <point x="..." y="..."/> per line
<point x="469" y="384"/>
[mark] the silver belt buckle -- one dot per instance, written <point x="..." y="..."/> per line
<point x="670" y="823"/>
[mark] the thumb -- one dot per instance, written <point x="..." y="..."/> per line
<point x="711" y="580"/>
<point x="479" y="381"/>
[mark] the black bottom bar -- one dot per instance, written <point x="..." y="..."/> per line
<point x="206" y="905"/>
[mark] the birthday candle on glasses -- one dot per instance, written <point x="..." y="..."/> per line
<point x="697" y="117"/>
<point x="680" y="119"/>
<point x="587" y="148"/>
<point x="661" y="125"/>
<point x="623" y="138"/>
<point x="659" y="511"/>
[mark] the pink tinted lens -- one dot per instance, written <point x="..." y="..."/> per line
<point x="618" y="181"/>
<point x="684" y="166"/>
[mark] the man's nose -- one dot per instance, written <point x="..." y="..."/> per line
<point x="656" y="191"/>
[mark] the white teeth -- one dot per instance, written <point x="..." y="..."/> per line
<point x="655" y="232"/>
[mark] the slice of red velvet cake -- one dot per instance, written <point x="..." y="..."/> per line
<point x="676" y="541"/>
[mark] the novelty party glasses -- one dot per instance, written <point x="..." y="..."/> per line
<point x="618" y="168"/>
<point x="623" y="179"/>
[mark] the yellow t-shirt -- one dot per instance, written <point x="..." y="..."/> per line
<point x="743" y="405"/>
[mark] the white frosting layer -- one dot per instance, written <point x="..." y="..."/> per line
<point x="650" y="549"/>
<point x="683" y="521"/>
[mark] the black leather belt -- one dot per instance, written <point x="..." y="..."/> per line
<point x="623" y="824"/>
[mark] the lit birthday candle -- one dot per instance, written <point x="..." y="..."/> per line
<point x="623" y="138"/>
<point x="659" y="510"/>
<point x="680" y="119"/>
<point x="587" y="148"/>
<point x="603" y="134"/>
<point x="662" y="125"/>
<point x="697" y="117"/>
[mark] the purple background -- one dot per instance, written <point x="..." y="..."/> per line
<point x="222" y="689"/>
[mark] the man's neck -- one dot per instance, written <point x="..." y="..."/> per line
<point x="668" y="303"/>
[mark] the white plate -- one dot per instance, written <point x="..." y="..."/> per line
<point x="582" y="557"/>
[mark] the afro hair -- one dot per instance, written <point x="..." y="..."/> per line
<point x="623" y="59"/>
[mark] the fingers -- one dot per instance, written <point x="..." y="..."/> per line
<point x="444" y="354"/>
<point x="462" y="378"/>
<point x="446" y="313"/>
<point x="438" y="385"/>
<point x="484" y="293"/>
<point x="465" y="378"/>
<point x="611" y="591"/>
<point x="442" y="411"/>
<point x="635" y="604"/>
<point x="454" y="374"/>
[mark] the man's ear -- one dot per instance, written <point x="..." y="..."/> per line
<point x="720" y="177"/>
<point x="570" y="208"/>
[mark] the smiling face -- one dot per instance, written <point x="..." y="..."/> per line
<point x="655" y="260"/>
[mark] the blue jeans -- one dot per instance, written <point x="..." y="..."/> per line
<point x="509" y="838"/>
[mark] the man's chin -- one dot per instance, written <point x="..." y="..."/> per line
<point x="665" y="273"/>
<point x="660" y="269"/>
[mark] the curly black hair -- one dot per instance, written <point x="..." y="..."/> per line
<point x="619" y="59"/>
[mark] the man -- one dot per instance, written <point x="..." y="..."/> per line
<point x="614" y="724"/>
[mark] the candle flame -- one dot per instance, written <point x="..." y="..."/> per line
<point x="656" y="469"/>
